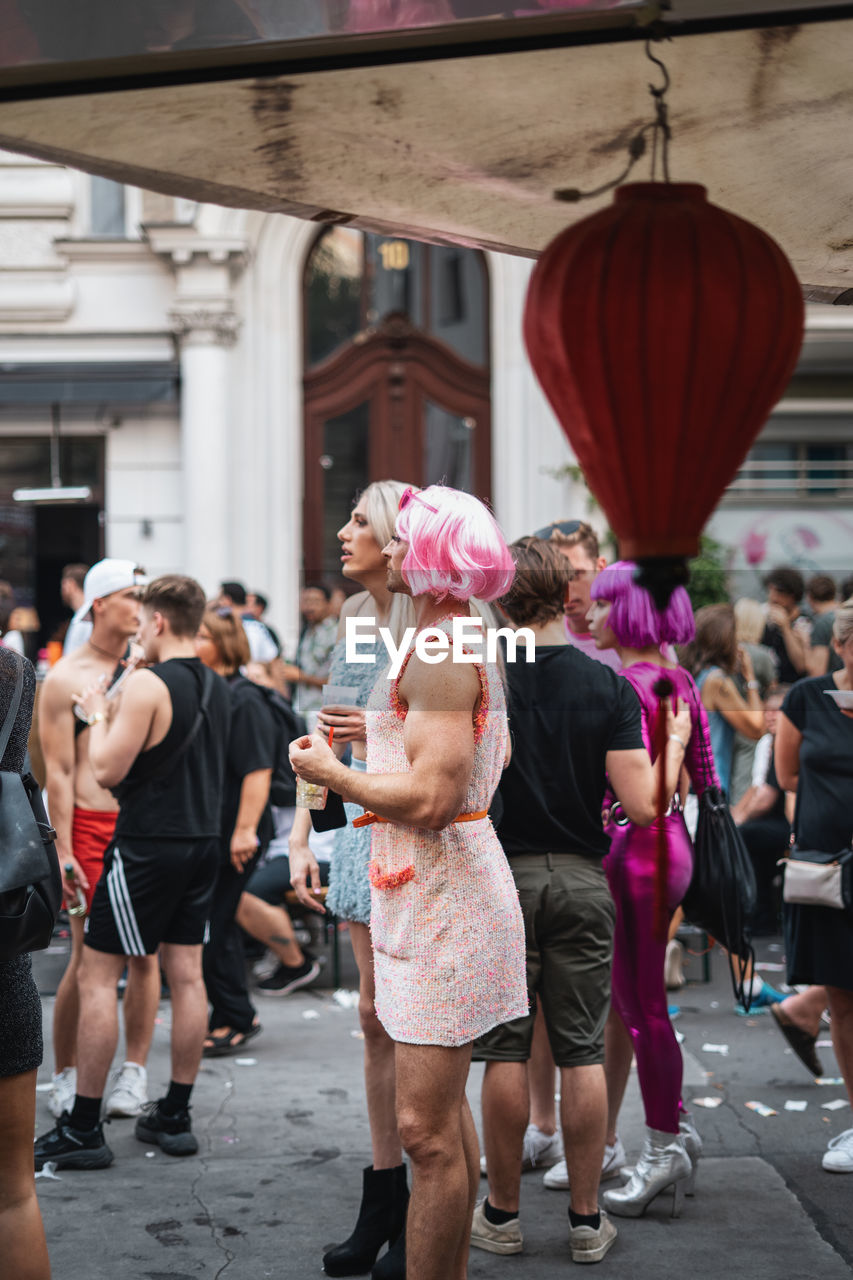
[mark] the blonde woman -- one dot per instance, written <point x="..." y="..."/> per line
<point x="385" y="1193"/>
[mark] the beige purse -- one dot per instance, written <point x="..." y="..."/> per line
<point x="812" y="879"/>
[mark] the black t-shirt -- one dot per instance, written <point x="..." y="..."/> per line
<point x="773" y="639"/>
<point x="566" y="711"/>
<point x="159" y="801"/>
<point x="824" y="815"/>
<point x="252" y="745"/>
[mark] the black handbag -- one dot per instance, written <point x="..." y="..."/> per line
<point x="722" y="895"/>
<point x="30" y="881"/>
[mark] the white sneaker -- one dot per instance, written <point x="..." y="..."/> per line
<point x="839" y="1154"/>
<point x="129" y="1094"/>
<point x="673" y="972"/>
<point x="539" y="1150"/>
<point x="557" y="1179"/>
<point x="63" y="1089"/>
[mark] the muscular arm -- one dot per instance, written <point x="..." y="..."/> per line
<point x="114" y="746"/>
<point x="56" y="734"/>
<point x="439" y="742"/>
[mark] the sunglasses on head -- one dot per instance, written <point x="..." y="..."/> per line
<point x="408" y="494"/>
<point x="565" y="527"/>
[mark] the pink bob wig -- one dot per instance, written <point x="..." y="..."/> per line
<point x="455" y="546"/>
<point x="634" y="619"/>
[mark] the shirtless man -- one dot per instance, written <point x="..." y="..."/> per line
<point x="84" y="815"/>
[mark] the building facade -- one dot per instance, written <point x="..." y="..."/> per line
<point x="222" y="382"/>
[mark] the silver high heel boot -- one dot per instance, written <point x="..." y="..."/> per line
<point x="693" y="1146"/>
<point x="663" y="1165"/>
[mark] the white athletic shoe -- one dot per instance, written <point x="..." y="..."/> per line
<point x="63" y="1089"/>
<point x="539" y="1151"/>
<point x="557" y="1179"/>
<point x="839" y="1154"/>
<point x="129" y="1094"/>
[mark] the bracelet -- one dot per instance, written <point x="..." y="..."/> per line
<point x="753" y="684"/>
<point x="95" y="718"/>
<point x="681" y="743"/>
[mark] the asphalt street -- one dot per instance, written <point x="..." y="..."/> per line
<point x="284" y="1137"/>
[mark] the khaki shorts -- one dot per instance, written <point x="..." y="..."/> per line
<point x="569" y="916"/>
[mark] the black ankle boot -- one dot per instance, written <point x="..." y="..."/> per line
<point x="380" y="1220"/>
<point x="392" y="1265"/>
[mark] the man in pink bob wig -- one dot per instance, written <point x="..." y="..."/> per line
<point x="445" y="920"/>
<point x="455" y="547"/>
<point x="634" y="619"/>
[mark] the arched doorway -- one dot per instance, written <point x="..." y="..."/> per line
<point x="397" y="377"/>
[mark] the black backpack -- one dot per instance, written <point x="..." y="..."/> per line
<point x="290" y="725"/>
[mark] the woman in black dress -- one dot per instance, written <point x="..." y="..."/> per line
<point x="814" y="758"/>
<point x="22" y="1245"/>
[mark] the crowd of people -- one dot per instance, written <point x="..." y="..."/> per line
<point x="496" y="866"/>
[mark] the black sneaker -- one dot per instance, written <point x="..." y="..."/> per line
<point x="173" y="1134"/>
<point x="290" y="977"/>
<point x="69" y="1148"/>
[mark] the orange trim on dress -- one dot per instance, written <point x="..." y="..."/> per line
<point x="367" y="818"/>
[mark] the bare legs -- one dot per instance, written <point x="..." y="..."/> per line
<point x="22" y="1243"/>
<point x="841" y="1017"/>
<point x="66" y="1009"/>
<point x="379" y="1060"/>
<point x="141" y="999"/>
<point x="541" y="1077"/>
<point x="189" y="1009"/>
<point x="438" y="1135"/>
<point x="804" y="1008"/>
<point x="98" y="1031"/>
<point x="505" y="1106"/>
<point x="272" y="926"/>
<point x="583" y="1114"/>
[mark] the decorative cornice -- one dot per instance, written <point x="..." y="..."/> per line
<point x="197" y="324"/>
<point x="183" y="245"/>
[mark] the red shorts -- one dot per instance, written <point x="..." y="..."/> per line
<point x="91" y="832"/>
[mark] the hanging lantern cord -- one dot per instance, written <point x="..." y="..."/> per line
<point x="661" y="135"/>
<point x="661" y="122"/>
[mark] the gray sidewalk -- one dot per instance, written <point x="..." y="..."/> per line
<point x="283" y="1139"/>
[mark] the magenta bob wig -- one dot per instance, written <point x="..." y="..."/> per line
<point x="634" y="619"/>
<point x="455" y="546"/>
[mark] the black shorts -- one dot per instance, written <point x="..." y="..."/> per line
<point x="153" y="891"/>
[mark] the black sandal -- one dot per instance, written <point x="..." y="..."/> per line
<point x="233" y="1040"/>
<point x="800" y="1041"/>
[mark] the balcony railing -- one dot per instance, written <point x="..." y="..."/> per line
<point x="800" y="477"/>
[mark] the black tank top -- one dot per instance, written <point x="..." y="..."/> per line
<point x="181" y="801"/>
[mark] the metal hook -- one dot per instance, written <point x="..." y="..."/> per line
<point x="658" y="93"/>
<point x="661" y="124"/>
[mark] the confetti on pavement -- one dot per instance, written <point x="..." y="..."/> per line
<point x="760" y="1109"/>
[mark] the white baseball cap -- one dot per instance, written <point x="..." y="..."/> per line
<point x="104" y="578"/>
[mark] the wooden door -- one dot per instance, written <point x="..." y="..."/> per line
<point x="392" y="404"/>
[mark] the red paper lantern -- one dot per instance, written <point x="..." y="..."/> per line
<point x="663" y="330"/>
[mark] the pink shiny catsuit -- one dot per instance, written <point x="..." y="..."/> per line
<point x="639" y="992"/>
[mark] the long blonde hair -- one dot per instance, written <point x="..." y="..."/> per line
<point x="381" y="503"/>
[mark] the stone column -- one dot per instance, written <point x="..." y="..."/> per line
<point x="206" y="336"/>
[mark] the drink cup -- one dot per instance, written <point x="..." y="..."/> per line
<point x="339" y="695"/>
<point x="310" y="795"/>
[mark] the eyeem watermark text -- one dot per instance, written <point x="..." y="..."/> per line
<point x="434" y="645"/>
